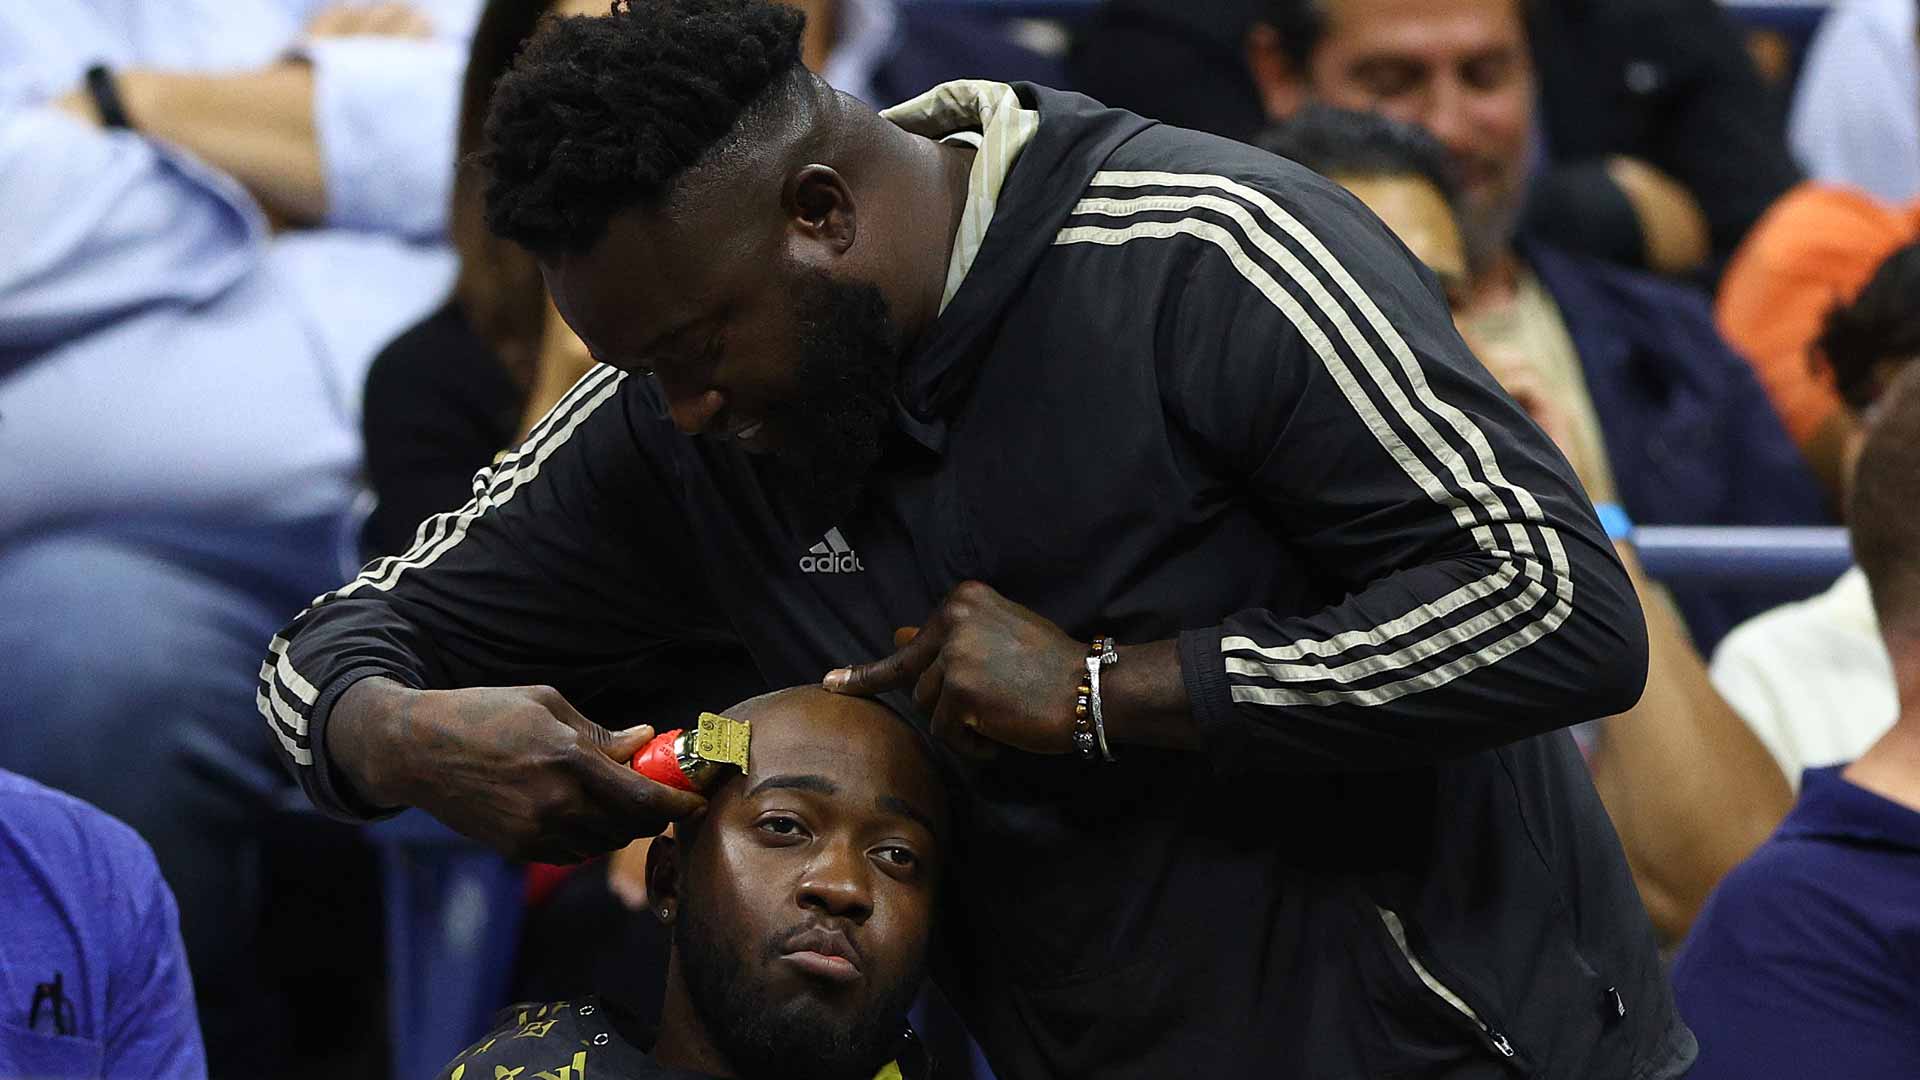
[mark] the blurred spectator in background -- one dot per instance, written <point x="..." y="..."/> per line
<point x="216" y="212"/>
<point x="1659" y="144"/>
<point x="1856" y="107"/>
<point x="93" y="977"/>
<point x="885" y="52"/>
<point x="1662" y="143"/>
<point x="1815" y="250"/>
<point x="472" y="378"/>
<point x="1181" y="62"/>
<point x="1679" y="431"/>
<point x="1812" y="678"/>
<point x="1689" y="788"/>
<point x="1656" y="145"/>
<point x="1806" y="962"/>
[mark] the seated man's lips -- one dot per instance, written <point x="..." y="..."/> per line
<point x="835" y="968"/>
<point x="826" y="953"/>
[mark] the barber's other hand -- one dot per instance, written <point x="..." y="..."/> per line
<point x="988" y="670"/>
<point x="519" y="769"/>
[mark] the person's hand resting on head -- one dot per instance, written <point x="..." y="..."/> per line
<point x="992" y="673"/>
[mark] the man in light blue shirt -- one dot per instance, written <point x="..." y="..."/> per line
<point x="187" y="310"/>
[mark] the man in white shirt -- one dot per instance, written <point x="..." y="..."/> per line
<point x="1811" y="678"/>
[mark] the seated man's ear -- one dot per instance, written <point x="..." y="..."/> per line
<point x="663" y="878"/>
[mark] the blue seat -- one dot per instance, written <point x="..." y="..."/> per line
<point x="453" y="913"/>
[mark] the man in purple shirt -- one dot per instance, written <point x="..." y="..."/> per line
<point x="1806" y="960"/>
<point x="93" y="977"/>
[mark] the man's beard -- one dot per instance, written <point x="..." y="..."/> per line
<point x="832" y="430"/>
<point x="764" y="1037"/>
<point x="1490" y="216"/>
<point x="1488" y="222"/>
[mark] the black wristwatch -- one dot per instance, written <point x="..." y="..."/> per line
<point x="106" y="97"/>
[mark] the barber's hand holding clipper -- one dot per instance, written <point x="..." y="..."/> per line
<point x="516" y="768"/>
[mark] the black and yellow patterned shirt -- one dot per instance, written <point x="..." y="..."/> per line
<point x="560" y="1039"/>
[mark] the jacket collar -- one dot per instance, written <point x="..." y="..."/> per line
<point x="1072" y="138"/>
<point x="1001" y="128"/>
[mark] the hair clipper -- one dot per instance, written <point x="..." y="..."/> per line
<point x="696" y="758"/>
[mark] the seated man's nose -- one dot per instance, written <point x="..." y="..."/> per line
<point x="840" y="894"/>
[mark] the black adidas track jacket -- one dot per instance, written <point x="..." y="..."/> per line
<point x="1187" y="389"/>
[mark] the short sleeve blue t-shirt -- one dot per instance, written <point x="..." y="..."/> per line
<point x="93" y="975"/>
<point x="1806" y="960"/>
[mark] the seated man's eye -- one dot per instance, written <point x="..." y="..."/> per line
<point x="781" y="826"/>
<point x="899" y="856"/>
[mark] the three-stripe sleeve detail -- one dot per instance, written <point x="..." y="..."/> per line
<point x="1528" y="593"/>
<point x="285" y="698"/>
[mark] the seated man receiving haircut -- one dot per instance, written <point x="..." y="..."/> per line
<point x="800" y="901"/>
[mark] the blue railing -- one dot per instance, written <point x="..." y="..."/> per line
<point x="1700" y="555"/>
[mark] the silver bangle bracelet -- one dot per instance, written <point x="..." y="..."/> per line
<point x="1094" y="664"/>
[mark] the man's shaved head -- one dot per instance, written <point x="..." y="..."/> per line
<point x="803" y="899"/>
<point x="795" y="720"/>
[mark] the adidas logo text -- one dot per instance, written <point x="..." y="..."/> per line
<point x="832" y="555"/>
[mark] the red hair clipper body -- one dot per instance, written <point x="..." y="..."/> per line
<point x="697" y="758"/>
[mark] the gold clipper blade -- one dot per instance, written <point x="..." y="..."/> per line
<point x="722" y="739"/>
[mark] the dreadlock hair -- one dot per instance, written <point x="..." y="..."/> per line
<point x="603" y="114"/>
<point x="1882" y="323"/>
<point x="1349" y="143"/>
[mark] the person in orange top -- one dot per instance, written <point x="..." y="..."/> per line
<point x="1813" y="251"/>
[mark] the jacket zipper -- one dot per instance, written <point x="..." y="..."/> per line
<point x="1398" y="931"/>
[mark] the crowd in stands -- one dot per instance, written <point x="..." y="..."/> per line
<point x="254" y="331"/>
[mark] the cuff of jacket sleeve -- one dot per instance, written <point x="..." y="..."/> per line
<point x="1580" y="208"/>
<point x="334" y="797"/>
<point x="1223" y="732"/>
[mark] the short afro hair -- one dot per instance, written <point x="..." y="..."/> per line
<point x="1880" y="324"/>
<point x="604" y="113"/>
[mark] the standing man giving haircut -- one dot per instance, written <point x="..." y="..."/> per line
<point x="1034" y="377"/>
